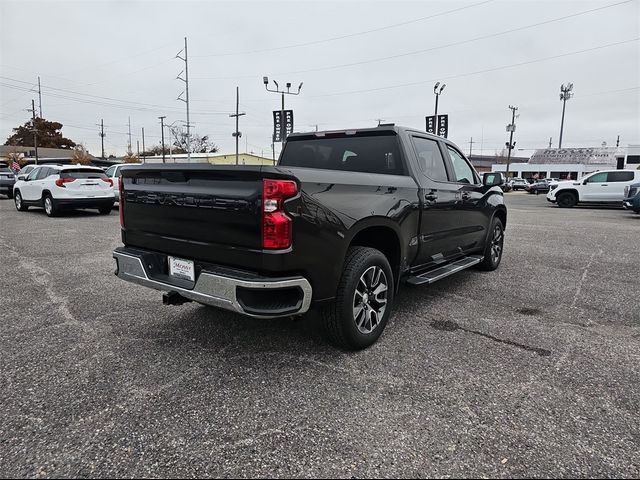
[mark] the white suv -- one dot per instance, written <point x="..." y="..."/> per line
<point x="114" y="172"/>
<point x="599" y="187"/>
<point x="55" y="187"/>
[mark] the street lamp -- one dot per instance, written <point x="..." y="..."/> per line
<point x="265" y="80"/>
<point x="437" y="93"/>
<point x="565" y="94"/>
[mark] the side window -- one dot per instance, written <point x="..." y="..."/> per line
<point x="33" y="174"/>
<point x="620" y="176"/>
<point x="430" y="159"/>
<point x="463" y="171"/>
<point x="110" y="171"/>
<point x="44" y="173"/>
<point x="598" y="178"/>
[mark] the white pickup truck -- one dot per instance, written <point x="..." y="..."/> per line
<point x="606" y="186"/>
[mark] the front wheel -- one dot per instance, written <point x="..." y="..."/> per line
<point x="20" y="206"/>
<point x="364" y="301"/>
<point x="493" y="248"/>
<point x="566" y="200"/>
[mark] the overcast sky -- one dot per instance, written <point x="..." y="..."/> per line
<point x="359" y="61"/>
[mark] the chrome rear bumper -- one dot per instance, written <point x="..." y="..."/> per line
<point x="219" y="290"/>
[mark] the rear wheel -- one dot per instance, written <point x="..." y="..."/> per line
<point x="363" y="305"/>
<point x="494" y="246"/>
<point x="20" y="206"/>
<point x="566" y="200"/>
<point x="9" y="194"/>
<point x="105" y="210"/>
<point x="49" y="207"/>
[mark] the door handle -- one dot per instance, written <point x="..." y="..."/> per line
<point x="431" y="196"/>
<point x="604" y="185"/>
<point x="466" y="195"/>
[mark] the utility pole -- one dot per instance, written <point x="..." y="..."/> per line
<point x="143" y="148"/>
<point x="265" y="80"/>
<point x="138" y="147"/>
<point x="237" y="134"/>
<point x="186" y="101"/>
<point x="40" y="96"/>
<point x="511" y="128"/>
<point x="129" y="134"/>
<point x="273" y="150"/>
<point x="471" y="142"/>
<point x="102" y="135"/>
<point x="550" y="141"/>
<point x="35" y="130"/>
<point x="618" y="141"/>
<point x="565" y="94"/>
<point x="162" y="130"/>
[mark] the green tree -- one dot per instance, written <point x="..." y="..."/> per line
<point x="49" y="135"/>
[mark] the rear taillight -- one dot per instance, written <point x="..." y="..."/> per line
<point x="276" y="225"/>
<point x="61" y="181"/>
<point x="121" y="201"/>
<point x="107" y="180"/>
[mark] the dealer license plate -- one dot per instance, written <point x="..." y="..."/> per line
<point x="181" y="268"/>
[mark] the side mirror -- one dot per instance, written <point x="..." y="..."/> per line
<point x="492" y="179"/>
<point x="21" y="177"/>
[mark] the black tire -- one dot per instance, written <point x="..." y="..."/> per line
<point x="339" y="318"/>
<point x="9" y="194"/>
<point x="566" y="199"/>
<point x="105" y="210"/>
<point x="494" y="247"/>
<point x="49" y="205"/>
<point x="17" y="199"/>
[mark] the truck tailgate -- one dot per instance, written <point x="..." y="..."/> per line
<point x="197" y="211"/>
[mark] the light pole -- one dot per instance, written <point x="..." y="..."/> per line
<point x="565" y="94"/>
<point x="437" y="93"/>
<point x="265" y="80"/>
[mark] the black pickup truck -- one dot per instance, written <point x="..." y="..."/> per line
<point x="341" y="221"/>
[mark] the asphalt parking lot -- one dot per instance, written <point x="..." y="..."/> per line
<point x="529" y="371"/>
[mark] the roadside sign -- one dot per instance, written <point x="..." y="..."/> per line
<point x="431" y="124"/>
<point x="440" y="128"/>
<point x="443" y="125"/>
<point x="280" y="124"/>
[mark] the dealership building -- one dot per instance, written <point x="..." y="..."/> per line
<point x="573" y="163"/>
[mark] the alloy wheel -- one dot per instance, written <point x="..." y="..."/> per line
<point x="47" y="205"/>
<point x="496" y="244"/>
<point x="370" y="299"/>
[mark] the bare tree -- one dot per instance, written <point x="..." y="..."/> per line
<point x="80" y="155"/>
<point x="199" y="144"/>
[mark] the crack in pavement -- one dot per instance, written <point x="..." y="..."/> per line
<point x="451" y="326"/>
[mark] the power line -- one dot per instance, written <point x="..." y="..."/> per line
<point x="430" y="49"/>
<point x="99" y="97"/>
<point x="350" y="35"/>
<point x="477" y="72"/>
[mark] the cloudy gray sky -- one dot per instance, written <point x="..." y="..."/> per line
<point x="359" y="61"/>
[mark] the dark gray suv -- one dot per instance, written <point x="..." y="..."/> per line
<point x="7" y="179"/>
